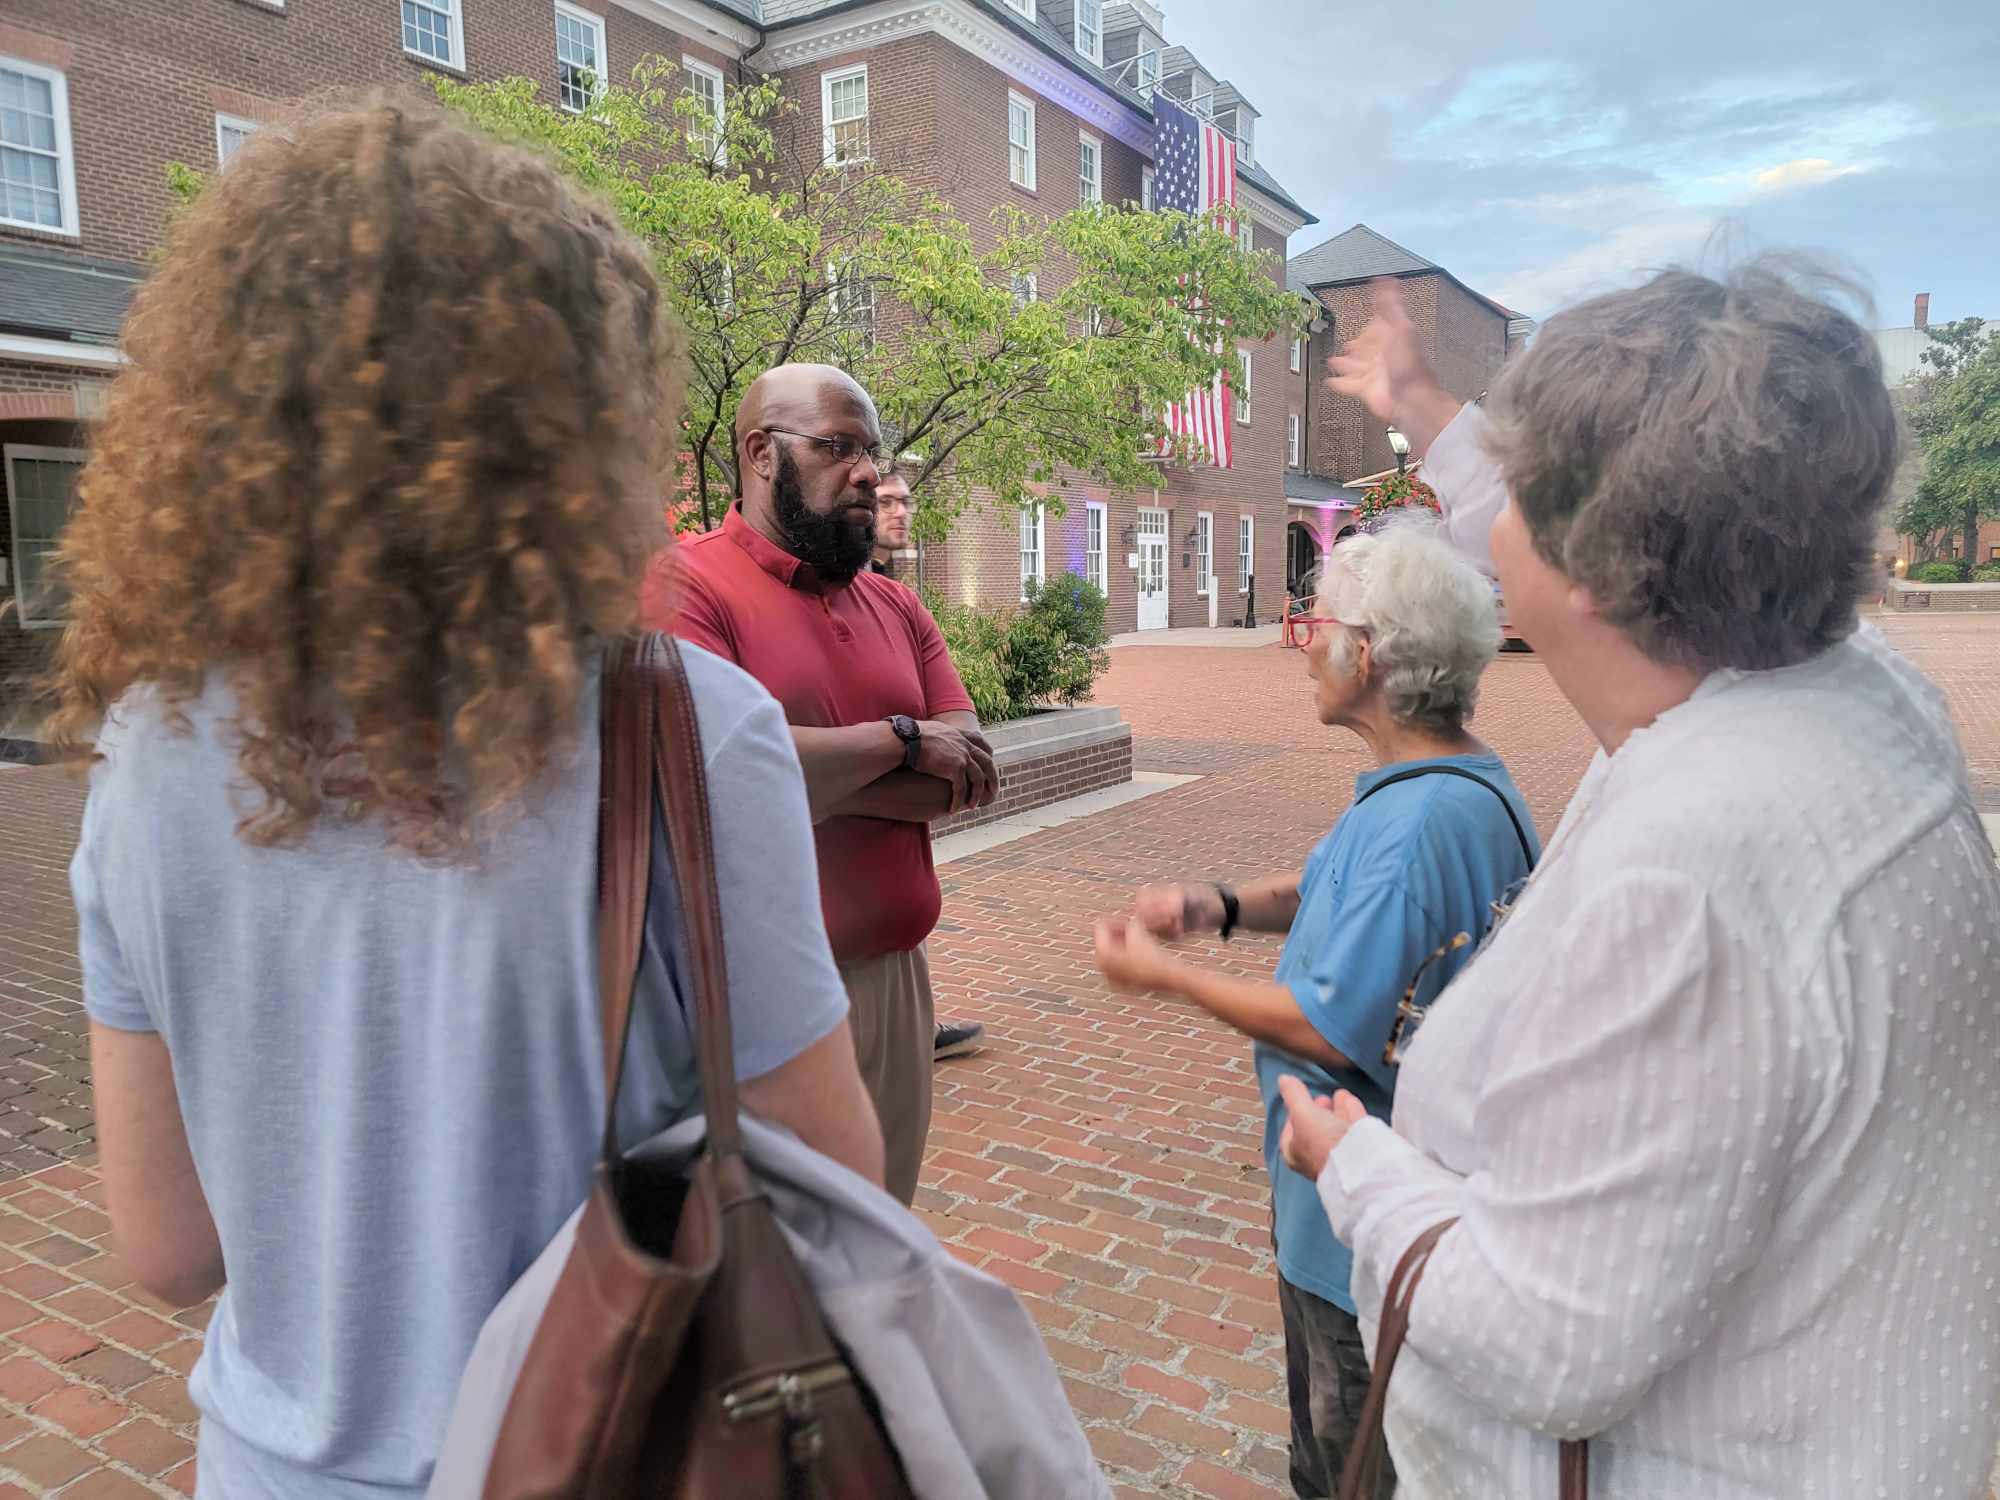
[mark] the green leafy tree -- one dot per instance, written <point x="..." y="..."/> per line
<point x="1955" y="418"/>
<point x="1002" y="362"/>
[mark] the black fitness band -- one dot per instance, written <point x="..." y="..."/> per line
<point x="1232" y="909"/>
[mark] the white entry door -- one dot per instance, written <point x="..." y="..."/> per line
<point x="1152" y="569"/>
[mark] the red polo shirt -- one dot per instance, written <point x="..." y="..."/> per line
<point x="832" y="657"/>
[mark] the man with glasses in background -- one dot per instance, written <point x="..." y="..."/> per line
<point x="892" y="535"/>
<point x="886" y="733"/>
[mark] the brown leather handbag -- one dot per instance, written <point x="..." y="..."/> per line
<point x="1360" y="1475"/>
<point x="681" y="1355"/>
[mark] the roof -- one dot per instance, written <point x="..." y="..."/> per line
<point x="1357" y="254"/>
<point x="1309" y="489"/>
<point x="69" y="297"/>
<point x="750" y="10"/>
<point x="1360" y="254"/>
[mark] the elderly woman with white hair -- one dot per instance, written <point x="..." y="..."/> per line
<point x="1707" y="1142"/>
<point x="1384" y="912"/>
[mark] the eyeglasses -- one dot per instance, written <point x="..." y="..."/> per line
<point x="845" y="449"/>
<point x="1305" y="627"/>
<point x="1409" y="1014"/>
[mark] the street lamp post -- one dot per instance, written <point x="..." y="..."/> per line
<point x="1400" y="446"/>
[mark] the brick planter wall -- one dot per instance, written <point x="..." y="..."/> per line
<point x="1944" y="596"/>
<point x="1051" y="756"/>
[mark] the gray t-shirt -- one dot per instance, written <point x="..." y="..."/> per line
<point x="390" y="1071"/>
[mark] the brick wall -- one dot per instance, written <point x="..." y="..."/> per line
<point x="1944" y="598"/>
<point x="1031" y="783"/>
<point x="147" y="78"/>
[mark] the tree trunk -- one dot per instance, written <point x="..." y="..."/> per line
<point x="1971" y="536"/>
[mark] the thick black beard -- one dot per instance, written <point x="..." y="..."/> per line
<point x="832" y="546"/>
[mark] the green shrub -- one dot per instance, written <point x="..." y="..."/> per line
<point x="1937" y="572"/>
<point x="1989" y="573"/>
<point x="977" y="643"/>
<point x="1013" y="661"/>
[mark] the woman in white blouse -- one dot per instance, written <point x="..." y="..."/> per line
<point x="1718" y="1109"/>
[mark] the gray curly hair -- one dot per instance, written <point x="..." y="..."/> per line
<point x="1428" y="614"/>
<point x="1709" y="458"/>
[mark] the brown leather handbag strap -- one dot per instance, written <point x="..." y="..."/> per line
<point x="624" y="858"/>
<point x="1360" y="1476"/>
<point x="650" y="726"/>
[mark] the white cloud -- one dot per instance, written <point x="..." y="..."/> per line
<point x="1807" y="171"/>
<point x="1620" y="259"/>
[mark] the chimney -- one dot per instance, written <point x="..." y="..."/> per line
<point x="1923" y="311"/>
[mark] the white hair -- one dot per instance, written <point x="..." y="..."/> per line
<point x="1428" y="613"/>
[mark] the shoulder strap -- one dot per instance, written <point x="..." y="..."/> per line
<point x="652" y="747"/>
<point x="1358" y="1479"/>
<point x="1527" y="849"/>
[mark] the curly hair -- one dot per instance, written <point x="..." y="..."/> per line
<point x="387" y="454"/>
<point x="1710" y="458"/>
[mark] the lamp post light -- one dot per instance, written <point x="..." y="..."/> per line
<point x="1400" y="446"/>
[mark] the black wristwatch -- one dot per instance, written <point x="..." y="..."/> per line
<point x="912" y="737"/>
<point x="1232" y="910"/>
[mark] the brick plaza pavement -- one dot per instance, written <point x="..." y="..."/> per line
<point x="1101" y="1154"/>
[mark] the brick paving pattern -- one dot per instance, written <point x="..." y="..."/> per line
<point x="1101" y="1155"/>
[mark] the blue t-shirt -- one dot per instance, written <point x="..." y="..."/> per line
<point x="391" y="1072"/>
<point x="1399" y="875"/>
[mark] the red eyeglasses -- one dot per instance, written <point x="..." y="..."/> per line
<point x="1305" y="627"/>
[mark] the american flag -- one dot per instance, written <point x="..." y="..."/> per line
<point x="1194" y="171"/>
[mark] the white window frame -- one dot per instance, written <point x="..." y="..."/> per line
<point x="1246" y="551"/>
<point x="1242" y="392"/>
<point x="1022" y="8"/>
<point x="1146" y="189"/>
<point x="1090" y="184"/>
<point x="593" y="23"/>
<point x="1246" y="235"/>
<point x="826" y="86"/>
<point x="1095" y="51"/>
<point x="1291" y="440"/>
<point x="58" y="83"/>
<point x="243" y="128"/>
<point x="1298" y="356"/>
<point x="454" y="13"/>
<point x="1204" y="553"/>
<point x="1021" y="174"/>
<point x="1097" y="545"/>
<point x="694" y="67"/>
<point x="1034" y="522"/>
<point x="1025" y="287"/>
<point x="845" y="295"/>
<point x="11" y="452"/>
<point x="1147" y="73"/>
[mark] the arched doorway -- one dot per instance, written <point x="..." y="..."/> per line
<point x="1302" y="558"/>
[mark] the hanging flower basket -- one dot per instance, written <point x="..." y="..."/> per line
<point x="1392" y="497"/>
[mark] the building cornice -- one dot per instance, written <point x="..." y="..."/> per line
<point x="60" y="352"/>
<point x="1268" y="210"/>
<point x="690" y="18"/>
<point x="972" y="30"/>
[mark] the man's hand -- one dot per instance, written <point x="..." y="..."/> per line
<point x="1171" y="912"/>
<point x="1314" y="1126"/>
<point x="961" y="759"/>
<point x="1383" y="367"/>
<point x="1128" y="957"/>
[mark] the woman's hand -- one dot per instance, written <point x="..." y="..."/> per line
<point x="1314" y="1126"/>
<point x="1171" y="912"/>
<point x="1129" y="957"/>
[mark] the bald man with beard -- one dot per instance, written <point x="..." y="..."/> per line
<point x="885" y="731"/>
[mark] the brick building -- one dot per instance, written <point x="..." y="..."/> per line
<point x="102" y="94"/>
<point x="1902" y="351"/>
<point x="1340" y="448"/>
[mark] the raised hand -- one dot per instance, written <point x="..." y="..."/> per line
<point x="1384" y="368"/>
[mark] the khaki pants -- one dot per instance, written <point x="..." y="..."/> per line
<point x="893" y="1016"/>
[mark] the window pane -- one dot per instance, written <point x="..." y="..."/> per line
<point x="427" y="29"/>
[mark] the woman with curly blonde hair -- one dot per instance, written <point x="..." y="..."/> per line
<point x="376" y="489"/>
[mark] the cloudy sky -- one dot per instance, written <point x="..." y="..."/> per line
<point x="1545" y="149"/>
